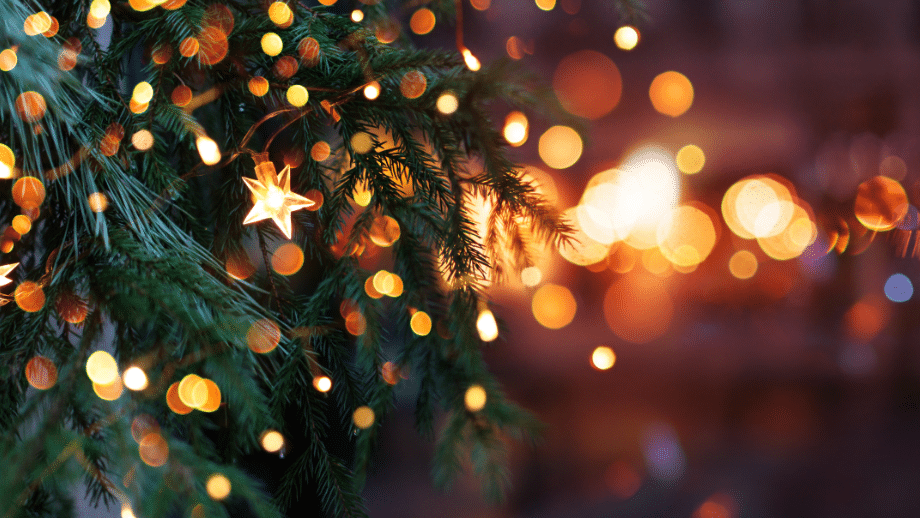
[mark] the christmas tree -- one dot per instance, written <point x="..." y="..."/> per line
<point x="230" y="231"/>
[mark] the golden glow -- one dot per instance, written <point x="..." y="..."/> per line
<point x="272" y="441"/>
<point x="553" y="306"/>
<point x="481" y="5"/>
<point x="487" y="326"/>
<point x="298" y="96"/>
<point x="154" y="450"/>
<point x="175" y="402"/>
<point x="472" y="62"/>
<point x="212" y="400"/>
<point x="687" y="236"/>
<point x="135" y="379"/>
<point x="626" y="37"/>
<point x="110" y="391"/>
<point x="671" y="93"/>
<point x="588" y="84"/>
<point x="546" y="5"/>
<point x="515" y="48"/>
<point x="37" y="23"/>
<point x="603" y="358"/>
<point x="420" y="323"/>
<point x="142" y="140"/>
<point x="258" y="86"/>
<point x="95" y="23"/>
<point x="422" y="21"/>
<point x="239" y="266"/>
<point x="218" y="486"/>
<point x="793" y="239"/>
<point x="743" y="264"/>
<point x="192" y="391"/>
<point x="263" y="336"/>
<point x="272" y="44"/>
<point x="638" y="308"/>
<point x="447" y="103"/>
<point x="143" y="93"/>
<point x="582" y="250"/>
<point x="363" y="417"/>
<point x="362" y="142"/>
<point x="757" y="206"/>
<point x="560" y="147"/>
<point x="127" y="512"/>
<point x="384" y="231"/>
<point x="280" y="14"/>
<point x="881" y="203"/>
<point x="322" y="383"/>
<point x="531" y="276"/>
<point x="101" y="368"/>
<point x="413" y="84"/>
<point x="22" y="224"/>
<point x="383" y="282"/>
<point x="7" y="162"/>
<point x="100" y="8"/>
<point x="866" y="318"/>
<point x="475" y="398"/>
<point x="273" y="197"/>
<point x="309" y="50"/>
<point x="287" y="259"/>
<point x="285" y="68"/>
<point x="41" y="373"/>
<point x="690" y="159"/>
<point x="372" y="90"/>
<point x="357" y="15"/>
<point x="98" y="202"/>
<point x="8" y="60"/>
<point x="516" y="129"/>
<point x="208" y="150"/>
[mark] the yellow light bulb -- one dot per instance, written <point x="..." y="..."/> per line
<point x="207" y="148"/>
<point x="471" y="61"/>
<point x="143" y="93"/>
<point x="272" y="44"/>
<point x="372" y="90"/>
<point x="272" y="441"/>
<point x="475" y="398"/>
<point x="135" y="379"/>
<point x="357" y="15"/>
<point x="487" y="326"/>
<point x="100" y="8"/>
<point x="447" y="103"/>
<point x="101" y="368"/>
<point x="626" y="37"/>
<point x="298" y="95"/>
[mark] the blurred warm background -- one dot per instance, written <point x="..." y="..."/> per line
<point x="734" y="334"/>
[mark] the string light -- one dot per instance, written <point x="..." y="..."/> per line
<point x="208" y="150"/>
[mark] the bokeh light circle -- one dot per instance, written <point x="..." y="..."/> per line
<point x="588" y="84"/>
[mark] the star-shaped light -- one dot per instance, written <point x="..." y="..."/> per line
<point x="4" y="271"/>
<point x="274" y="198"/>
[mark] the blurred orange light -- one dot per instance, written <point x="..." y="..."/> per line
<point x="690" y="159"/>
<point x="287" y="259"/>
<point x="422" y="21"/>
<point x="671" y="93"/>
<point x="553" y="306"/>
<point x="880" y="203"/>
<point x="743" y="264"/>
<point x="263" y="336"/>
<point x="638" y="308"/>
<point x="588" y="84"/>
<point x="687" y="236"/>
<point x="516" y="128"/>
<point x="560" y="147"/>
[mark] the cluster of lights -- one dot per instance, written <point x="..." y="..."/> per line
<point x="193" y="392"/>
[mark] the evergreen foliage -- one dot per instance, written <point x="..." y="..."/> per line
<point x="151" y="267"/>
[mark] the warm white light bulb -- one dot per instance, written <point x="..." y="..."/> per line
<point x="207" y="148"/>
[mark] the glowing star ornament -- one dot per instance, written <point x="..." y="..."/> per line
<point x="4" y="271"/>
<point x="273" y="197"/>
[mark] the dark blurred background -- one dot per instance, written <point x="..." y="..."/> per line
<point x="792" y="393"/>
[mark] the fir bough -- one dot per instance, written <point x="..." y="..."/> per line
<point x="151" y="267"/>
